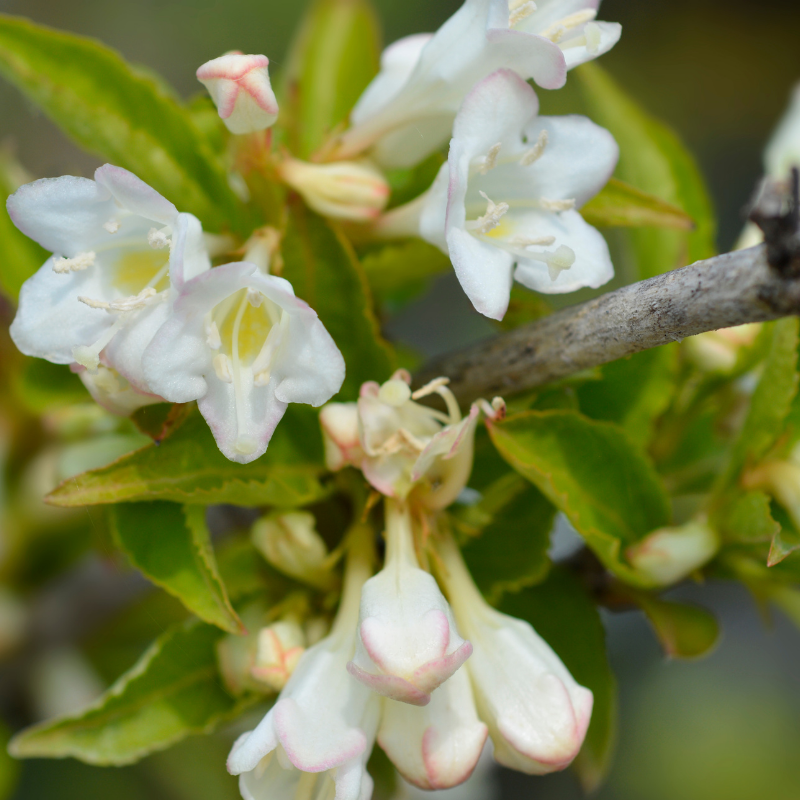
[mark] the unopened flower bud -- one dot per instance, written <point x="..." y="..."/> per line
<point x="351" y="190"/>
<point x="240" y="88"/>
<point x="340" y="433"/>
<point x="668" y="555"/>
<point x="280" y="647"/>
<point x="290" y="543"/>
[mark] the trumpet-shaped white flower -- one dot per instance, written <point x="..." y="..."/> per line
<point x="241" y="344"/>
<point x="403" y="446"/>
<point x="317" y="737"/>
<point x="536" y="713"/>
<point x="509" y="195"/>
<point x="351" y="190"/>
<point x="120" y="252"/>
<point x="240" y="87"/>
<point x="407" y="639"/>
<point x="437" y="746"/>
<point x="407" y="111"/>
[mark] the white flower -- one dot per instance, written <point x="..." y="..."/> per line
<point x="110" y="390"/>
<point x="322" y="728"/>
<point x="668" y="555"/>
<point x="242" y="345"/>
<point x="407" y="111"/>
<point x="350" y="190"/>
<point x="279" y="650"/>
<point x="240" y="88"/>
<point x="537" y="714"/>
<point x="509" y="194"/>
<point x="407" y="639"/>
<point x="437" y="746"/>
<point x="120" y="252"/>
<point x="403" y="446"/>
<point x="290" y="543"/>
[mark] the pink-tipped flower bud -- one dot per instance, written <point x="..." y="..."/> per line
<point x="240" y="88"/>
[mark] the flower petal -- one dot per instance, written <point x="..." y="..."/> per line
<point x="608" y="34"/>
<point x="134" y="195"/>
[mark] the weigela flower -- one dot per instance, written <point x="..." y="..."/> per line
<point x="290" y="543"/>
<point x="403" y="446"/>
<point x="240" y="88"/>
<point x="110" y="390"/>
<point x="407" y="639"/>
<point x="321" y="730"/>
<point x="509" y="195"/>
<point x="437" y="746"/>
<point x="241" y="344"/>
<point x="120" y="252"/>
<point x="668" y="555"/>
<point x="350" y="190"/>
<point x="536" y="713"/>
<point x="279" y="650"/>
<point x="408" y="109"/>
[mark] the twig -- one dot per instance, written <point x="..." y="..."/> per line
<point x="755" y="285"/>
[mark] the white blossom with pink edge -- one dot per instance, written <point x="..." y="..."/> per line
<point x="241" y="344"/>
<point x="436" y="746"/>
<point x="241" y="90"/>
<point x="407" y="111"/>
<point x="316" y="739"/>
<point x="121" y="252"/>
<point x="508" y="195"/>
<point x="536" y="712"/>
<point x="407" y="643"/>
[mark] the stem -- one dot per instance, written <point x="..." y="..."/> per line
<point x="358" y="570"/>
<point x="399" y="534"/>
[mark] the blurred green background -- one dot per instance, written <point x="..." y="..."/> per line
<point x="726" y="728"/>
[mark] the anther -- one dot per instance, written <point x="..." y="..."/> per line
<point x="557" y="205"/>
<point x="126" y="304"/>
<point x="262" y="378"/>
<point x="491" y="219"/>
<point x="222" y="366"/>
<point x="521" y="12"/>
<point x="112" y="226"/>
<point x="254" y="297"/>
<point x="535" y="153"/>
<point x="490" y="159"/>
<point x="430" y="388"/>
<point x="157" y="239"/>
<point x="594" y="37"/>
<point x="78" y="263"/>
<point x="557" y="31"/>
<point x="532" y="241"/>
<point x="212" y="336"/>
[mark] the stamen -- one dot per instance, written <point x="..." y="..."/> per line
<point x="535" y="153"/>
<point x="262" y="378"/>
<point x="430" y="388"/>
<point x="89" y="356"/>
<point x="490" y="159"/>
<point x="126" y="304"/>
<point x="157" y="239"/>
<point x="557" y="31"/>
<point x="78" y="263"/>
<point x="244" y="444"/>
<point x="594" y="37"/>
<point x="254" y="297"/>
<point x="532" y="241"/>
<point x="557" y="205"/>
<point x="401" y="440"/>
<point x="222" y="366"/>
<point x="112" y="226"/>
<point x="212" y="336"/>
<point x="521" y="12"/>
<point x="513" y="5"/>
<point x="491" y="219"/>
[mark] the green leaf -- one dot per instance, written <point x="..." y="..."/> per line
<point x="621" y="205"/>
<point x="187" y="467"/>
<point x="119" y="114"/>
<point x="20" y="256"/>
<point x="320" y="264"/>
<point x="653" y="160"/>
<point x="510" y="530"/>
<point x="174" y="690"/>
<point x="786" y="539"/>
<point x="335" y="55"/>
<point x="684" y="631"/>
<point x="40" y="385"/>
<point x="171" y="545"/>
<point x="633" y="392"/>
<point x="748" y="519"/>
<point x="771" y="403"/>
<point x="567" y="619"/>
<point x="593" y="473"/>
<point x="9" y="768"/>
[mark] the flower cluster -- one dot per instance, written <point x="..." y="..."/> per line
<point x="396" y="667"/>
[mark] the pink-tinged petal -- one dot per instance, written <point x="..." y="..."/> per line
<point x="188" y="255"/>
<point x="390" y="686"/>
<point x="134" y="195"/>
<point x="64" y="215"/>
<point x="436" y="672"/>
<point x="251" y="747"/>
<point x="484" y="272"/>
<point x="339" y="423"/>
<point x="592" y="267"/>
<point x="531" y="56"/>
<point x="576" y="164"/>
<point x="232" y="66"/>
<point x="310" y="746"/>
